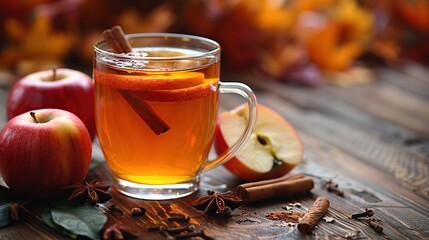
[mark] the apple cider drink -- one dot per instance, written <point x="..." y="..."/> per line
<point x="156" y="105"/>
<point x="156" y="120"/>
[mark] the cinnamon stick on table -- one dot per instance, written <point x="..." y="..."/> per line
<point x="313" y="215"/>
<point x="284" y="186"/>
<point x="116" y="40"/>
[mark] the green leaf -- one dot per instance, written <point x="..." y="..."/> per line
<point x="47" y="218"/>
<point x="83" y="220"/>
<point x="4" y="215"/>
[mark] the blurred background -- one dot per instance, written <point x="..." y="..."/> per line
<point x="309" y="42"/>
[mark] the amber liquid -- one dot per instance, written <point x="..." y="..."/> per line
<point x="131" y="148"/>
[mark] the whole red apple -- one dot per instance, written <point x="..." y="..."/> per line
<point x="43" y="151"/>
<point x="61" y="88"/>
<point x="273" y="150"/>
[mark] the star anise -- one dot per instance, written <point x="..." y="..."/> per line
<point x="218" y="203"/>
<point x="91" y="192"/>
<point x="118" y="231"/>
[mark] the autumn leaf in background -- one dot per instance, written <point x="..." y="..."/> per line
<point x="343" y="38"/>
<point x="35" y="46"/>
<point x="415" y="16"/>
<point x="415" y="13"/>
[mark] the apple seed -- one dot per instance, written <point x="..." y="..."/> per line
<point x="54" y="73"/>
<point x="262" y="140"/>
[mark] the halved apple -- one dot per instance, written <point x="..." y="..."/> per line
<point x="273" y="150"/>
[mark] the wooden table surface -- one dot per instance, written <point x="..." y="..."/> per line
<point x="371" y="139"/>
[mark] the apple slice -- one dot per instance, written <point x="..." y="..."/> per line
<point x="273" y="150"/>
<point x="160" y="81"/>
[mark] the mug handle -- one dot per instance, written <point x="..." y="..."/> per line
<point x="244" y="91"/>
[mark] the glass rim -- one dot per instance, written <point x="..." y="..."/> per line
<point x="182" y="37"/>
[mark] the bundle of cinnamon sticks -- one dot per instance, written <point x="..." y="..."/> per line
<point x="278" y="187"/>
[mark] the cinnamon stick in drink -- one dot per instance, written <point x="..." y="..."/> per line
<point x="313" y="215"/>
<point x="284" y="186"/>
<point x="146" y="112"/>
<point x="115" y="39"/>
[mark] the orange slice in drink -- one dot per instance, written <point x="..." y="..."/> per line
<point x="208" y="87"/>
<point x="147" y="82"/>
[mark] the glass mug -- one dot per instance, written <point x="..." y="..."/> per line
<point x="156" y="110"/>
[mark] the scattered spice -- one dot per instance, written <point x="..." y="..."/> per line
<point x="218" y="203"/>
<point x="313" y="215"/>
<point x="157" y="227"/>
<point x="287" y="216"/>
<point x="186" y="232"/>
<point x="114" y="209"/>
<point x="332" y="186"/>
<point x="178" y="217"/>
<point x="374" y="225"/>
<point x="283" y="186"/>
<point x="138" y="211"/>
<point x="367" y="216"/>
<point x="373" y="219"/>
<point x="17" y="212"/>
<point x="118" y="231"/>
<point x="367" y="213"/>
<point x="91" y="192"/>
<point x="187" y="228"/>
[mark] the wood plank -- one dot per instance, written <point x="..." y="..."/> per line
<point x="402" y="79"/>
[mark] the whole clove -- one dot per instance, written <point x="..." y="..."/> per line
<point x="332" y="186"/>
<point x="179" y="218"/>
<point x="374" y="225"/>
<point x="114" y="209"/>
<point x="138" y="211"/>
<point x="367" y="213"/>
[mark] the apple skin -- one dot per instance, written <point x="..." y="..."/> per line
<point x="72" y="91"/>
<point x="38" y="159"/>
<point x="241" y="170"/>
